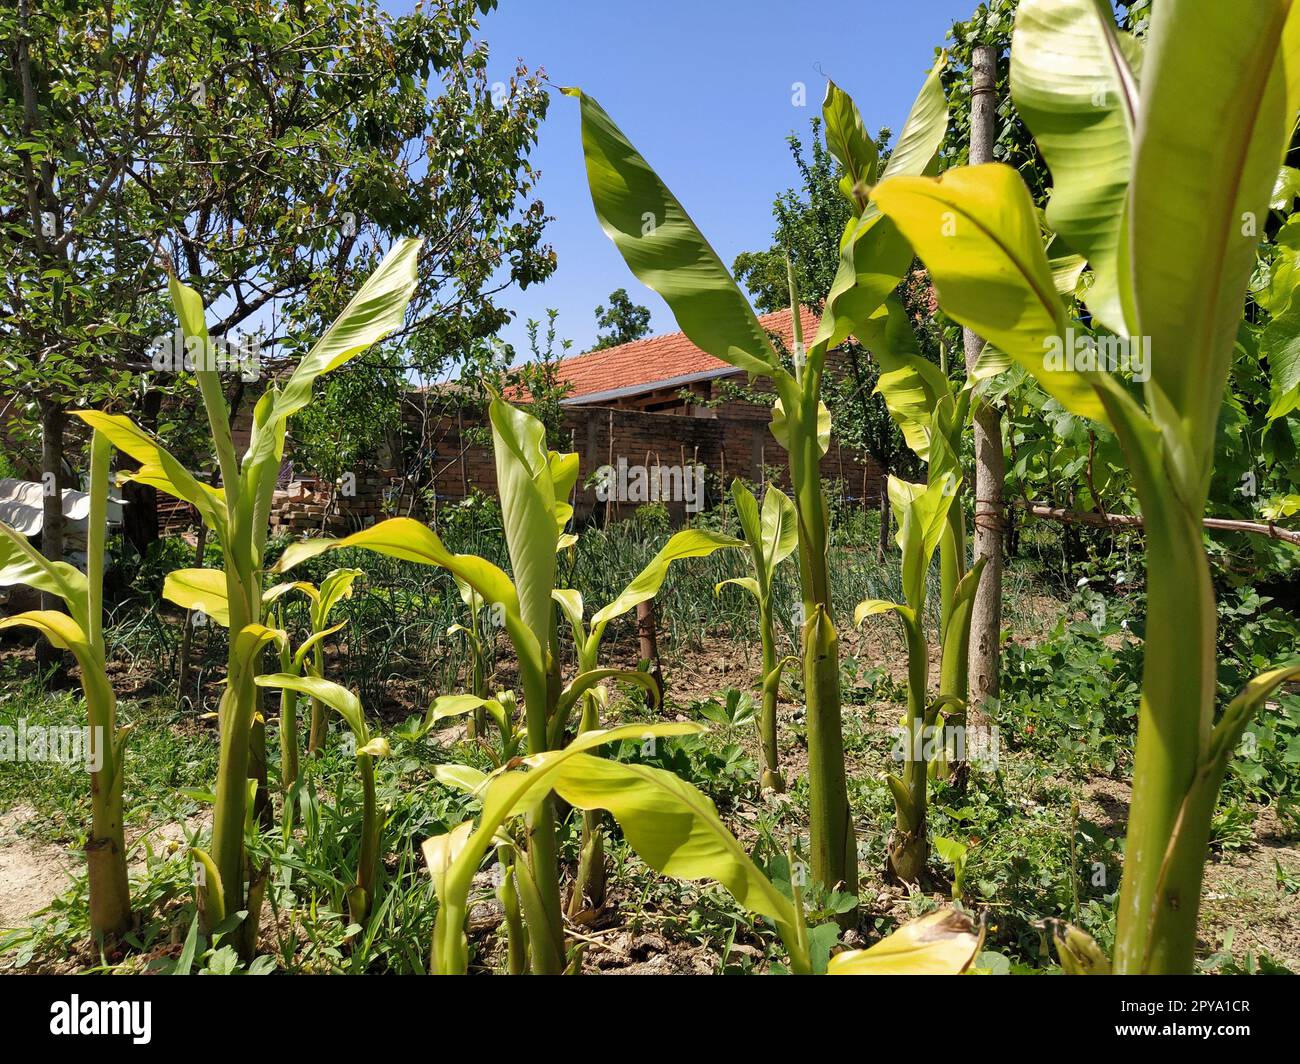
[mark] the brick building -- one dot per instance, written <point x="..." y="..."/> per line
<point x="658" y="405"/>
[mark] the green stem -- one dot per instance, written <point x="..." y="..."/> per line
<point x="1156" y="925"/>
<point x="316" y="738"/>
<point x="909" y="849"/>
<point x="110" y="897"/>
<point x="368" y="860"/>
<point x="239" y="705"/>
<point x="589" y="886"/>
<point x="771" y="777"/>
<point x="508" y="896"/>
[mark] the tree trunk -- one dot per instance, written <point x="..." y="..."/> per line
<point x="140" y="515"/>
<point x="645" y="630"/>
<point x="990" y="462"/>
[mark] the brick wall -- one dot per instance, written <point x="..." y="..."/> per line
<point x="727" y="446"/>
<point x="446" y="458"/>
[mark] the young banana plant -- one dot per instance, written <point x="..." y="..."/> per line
<point x="80" y="631"/>
<point x="932" y="414"/>
<point x="364" y="893"/>
<point x="676" y="830"/>
<point x="238" y="513"/>
<point x="204" y="591"/>
<point x="921" y="514"/>
<point x="501" y="710"/>
<point x="689" y="543"/>
<point x="1163" y="171"/>
<point x="335" y="588"/>
<point x="533" y="484"/>
<point x="663" y="247"/>
<point x="771" y="536"/>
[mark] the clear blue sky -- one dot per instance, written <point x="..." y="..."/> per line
<point x="703" y="89"/>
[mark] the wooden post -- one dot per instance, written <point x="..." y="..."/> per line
<point x="649" y="641"/>
<point x="990" y="462"/>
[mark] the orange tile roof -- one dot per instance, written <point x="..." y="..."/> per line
<point x="644" y="364"/>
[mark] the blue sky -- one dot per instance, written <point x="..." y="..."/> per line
<point x="704" y="89"/>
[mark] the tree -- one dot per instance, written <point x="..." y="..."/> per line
<point x="625" y="321"/>
<point x="268" y="154"/>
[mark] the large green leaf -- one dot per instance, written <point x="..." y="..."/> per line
<point x="688" y="543"/>
<point x="780" y="528"/>
<point x="976" y="229"/>
<point x="674" y="828"/>
<point x="911" y="385"/>
<point x="944" y="942"/>
<point x="21" y="563"/>
<point x="663" y="247"/>
<point x="158" y="468"/>
<point x="407" y="539"/>
<point x="526" y="484"/>
<point x="336" y="696"/>
<point x="1072" y="84"/>
<point x="921" y="512"/>
<point x="1219" y="100"/>
<point x="874" y="256"/>
<point x="924" y="129"/>
<point x="850" y="143"/>
<point x="377" y="309"/>
<point x="199" y="589"/>
<point x="336" y="586"/>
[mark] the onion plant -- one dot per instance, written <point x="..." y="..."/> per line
<point x="81" y="631"/>
<point x="1163" y="164"/>
<point x="237" y="512"/>
<point x="663" y="247"/>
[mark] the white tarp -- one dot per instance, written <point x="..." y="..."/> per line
<point x="21" y="507"/>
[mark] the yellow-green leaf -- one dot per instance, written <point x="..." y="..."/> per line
<point x="944" y="942"/>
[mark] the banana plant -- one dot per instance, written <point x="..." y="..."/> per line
<point x="688" y="543"/>
<point x="932" y="414"/>
<point x="204" y="591"/>
<point x="676" y="830"/>
<point x="1163" y="171"/>
<point x="771" y="536"/>
<point x="665" y="250"/>
<point x="238" y="512"/>
<point x="334" y="588"/>
<point x="364" y="892"/>
<point x="921" y="516"/>
<point x="501" y="710"/>
<point x="533" y="484"/>
<point x="81" y="631"/>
